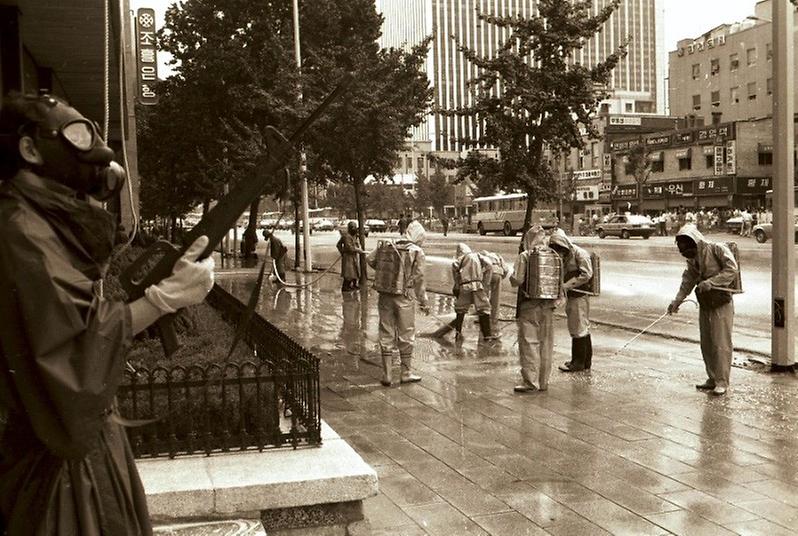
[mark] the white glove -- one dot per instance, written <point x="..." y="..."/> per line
<point x="189" y="283"/>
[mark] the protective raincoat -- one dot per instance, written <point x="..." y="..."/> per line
<point x="397" y="313"/>
<point x="715" y="263"/>
<point x="469" y="272"/>
<point x="534" y="319"/>
<point x="65" y="465"/>
<point x="350" y="264"/>
<point x="498" y="272"/>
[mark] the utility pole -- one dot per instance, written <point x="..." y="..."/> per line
<point x="783" y="286"/>
<point x="302" y="157"/>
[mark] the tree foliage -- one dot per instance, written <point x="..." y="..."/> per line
<point x="435" y="192"/>
<point x="531" y="96"/>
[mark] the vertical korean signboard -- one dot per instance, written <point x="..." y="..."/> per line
<point x="720" y="163"/>
<point x="731" y="157"/>
<point x="146" y="64"/>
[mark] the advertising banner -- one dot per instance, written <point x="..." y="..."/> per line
<point x="146" y="57"/>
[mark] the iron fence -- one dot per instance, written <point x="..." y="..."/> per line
<point x="271" y="401"/>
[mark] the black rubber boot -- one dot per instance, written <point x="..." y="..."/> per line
<point x="577" y="361"/>
<point x="588" y="351"/>
<point x="484" y="326"/>
<point x="457" y="323"/>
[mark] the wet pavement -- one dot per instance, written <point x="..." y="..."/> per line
<point x="628" y="448"/>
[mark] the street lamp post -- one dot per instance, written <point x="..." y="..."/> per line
<point x="783" y="286"/>
<point x="302" y="158"/>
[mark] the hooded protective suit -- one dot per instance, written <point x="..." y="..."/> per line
<point x="534" y="319"/>
<point x="577" y="270"/>
<point x="714" y="265"/>
<point x="494" y="285"/>
<point x="470" y="272"/>
<point x="350" y="264"/>
<point x="397" y="313"/>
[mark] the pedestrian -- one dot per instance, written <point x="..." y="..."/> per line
<point x="277" y="252"/>
<point x="65" y="463"/>
<point x="445" y="223"/>
<point x="499" y="271"/>
<point x="399" y="280"/>
<point x="747" y="223"/>
<point x="402" y="224"/>
<point x="710" y="266"/>
<point x="350" y="260"/>
<point x="534" y="319"/>
<point x="577" y="270"/>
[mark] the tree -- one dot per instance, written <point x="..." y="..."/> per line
<point x="639" y="166"/>
<point x="531" y="96"/>
<point x="435" y="192"/>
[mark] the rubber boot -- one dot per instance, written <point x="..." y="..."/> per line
<point x="407" y="375"/>
<point x="588" y="351"/>
<point x="458" y="324"/>
<point x="577" y="361"/>
<point x="484" y="326"/>
<point x="442" y="331"/>
<point x="387" y="363"/>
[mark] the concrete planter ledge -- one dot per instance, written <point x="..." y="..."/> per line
<point x="248" y="484"/>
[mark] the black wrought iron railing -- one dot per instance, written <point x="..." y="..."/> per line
<point x="271" y="401"/>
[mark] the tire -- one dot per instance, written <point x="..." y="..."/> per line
<point x="602" y="234"/>
<point x="625" y="234"/>
<point x="508" y="229"/>
<point x="760" y="236"/>
<point x="646" y="236"/>
<point x="481" y="229"/>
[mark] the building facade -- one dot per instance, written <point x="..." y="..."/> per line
<point x="726" y="74"/>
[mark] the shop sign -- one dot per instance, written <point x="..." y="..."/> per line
<point x="731" y="157"/>
<point x="720" y="163"/>
<point x="700" y="46"/>
<point x="623" y="192"/>
<point x="146" y="60"/>
<point x="683" y="138"/>
<point x="709" y="150"/>
<point x="758" y="185"/>
<point x="617" y="120"/>
<point x="623" y="145"/>
<point x="658" y="140"/>
<point x="714" y="186"/>
<point x="682" y="153"/>
<point x="607" y="162"/>
<point x="587" y="174"/>
<point x="716" y="134"/>
<point x="764" y="147"/>
<point x="586" y="193"/>
<point x="660" y="190"/>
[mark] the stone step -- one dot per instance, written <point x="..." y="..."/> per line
<point x="236" y="527"/>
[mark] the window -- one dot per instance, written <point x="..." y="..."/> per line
<point x="715" y="98"/>
<point x="734" y="61"/>
<point x="696" y="71"/>
<point x="714" y="66"/>
<point x="409" y="163"/>
<point x="696" y="102"/>
<point x="750" y="54"/>
<point x="770" y="86"/>
<point x="710" y="161"/>
<point x="765" y="159"/>
<point x="658" y="166"/>
<point x="628" y="106"/>
<point x="644" y="107"/>
<point x="751" y="90"/>
<point x="734" y="95"/>
<point x="605" y="108"/>
<point x="769" y="51"/>
<point x="684" y="164"/>
<point x="420" y="161"/>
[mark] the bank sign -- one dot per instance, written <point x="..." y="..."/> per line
<point x="146" y="56"/>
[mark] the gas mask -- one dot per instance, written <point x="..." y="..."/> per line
<point x="73" y="151"/>
<point x="687" y="247"/>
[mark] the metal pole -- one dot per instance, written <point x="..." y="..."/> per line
<point x="302" y="158"/>
<point x="783" y="287"/>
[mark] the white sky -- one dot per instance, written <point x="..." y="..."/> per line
<point x="683" y="18"/>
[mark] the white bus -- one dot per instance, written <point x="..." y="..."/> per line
<point x="506" y="213"/>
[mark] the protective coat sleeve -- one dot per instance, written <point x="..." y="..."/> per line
<point x="519" y="273"/>
<point x="584" y="267"/>
<point x="690" y="278"/>
<point x="64" y="348"/>
<point x="418" y="277"/>
<point x="728" y="266"/>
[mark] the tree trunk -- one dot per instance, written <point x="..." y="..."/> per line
<point x="250" y="238"/>
<point x="358" y="184"/>
<point x="297" y="252"/>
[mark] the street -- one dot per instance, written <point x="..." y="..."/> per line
<point x="638" y="279"/>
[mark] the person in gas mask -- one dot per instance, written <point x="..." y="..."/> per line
<point x="534" y="318"/>
<point x="277" y="251"/>
<point x="710" y="266"/>
<point x="400" y="285"/>
<point x="349" y="251"/>
<point x="65" y="464"/>
<point x="577" y="270"/>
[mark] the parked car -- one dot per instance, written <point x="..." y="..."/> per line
<point x="626" y="226"/>
<point x="734" y="225"/>
<point x="378" y="226"/>
<point x="764" y="231"/>
<point x="323" y="224"/>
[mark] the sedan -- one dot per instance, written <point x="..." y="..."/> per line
<point x="378" y="226"/>
<point x="764" y="231"/>
<point x="626" y="226"/>
<point x="323" y="225"/>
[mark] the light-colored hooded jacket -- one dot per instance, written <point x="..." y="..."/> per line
<point x="714" y="262"/>
<point x="534" y="237"/>
<point x="413" y="238"/>
<point x="496" y="262"/>
<point x="469" y="269"/>
<point x="577" y="268"/>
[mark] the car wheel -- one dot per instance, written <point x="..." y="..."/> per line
<point x="481" y="229"/>
<point x="601" y="233"/>
<point x="508" y="229"/>
<point x="625" y="234"/>
<point x="760" y="236"/>
<point x="646" y="236"/>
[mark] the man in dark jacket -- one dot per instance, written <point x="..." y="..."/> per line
<point x="277" y="251"/>
<point x="350" y="262"/>
<point x="65" y="464"/>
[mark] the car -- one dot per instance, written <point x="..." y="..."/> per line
<point x="734" y="225"/>
<point x="626" y="226"/>
<point x="323" y="224"/>
<point x="764" y="231"/>
<point x="378" y="226"/>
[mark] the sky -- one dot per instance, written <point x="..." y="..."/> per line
<point x="683" y="18"/>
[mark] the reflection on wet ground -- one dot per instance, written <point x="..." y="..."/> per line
<point x="629" y="448"/>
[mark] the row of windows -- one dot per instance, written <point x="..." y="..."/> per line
<point x="686" y="163"/>
<point x="734" y="94"/>
<point x="734" y="61"/>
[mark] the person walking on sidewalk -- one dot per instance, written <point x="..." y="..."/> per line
<point x="577" y="270"/>
<point x="277" y="251"/>
<point x="710" y="266"/>
<point x="499" y="271"/>
<point x="350" y="262"/>
<point x="534" y="319"/>
<point x="399" y="280"/>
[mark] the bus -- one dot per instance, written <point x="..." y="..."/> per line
<point x="505" y="213"/>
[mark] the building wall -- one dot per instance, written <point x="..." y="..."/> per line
<point x="720" y="44"/>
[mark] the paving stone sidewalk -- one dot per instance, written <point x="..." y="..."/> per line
<point x="628" y="448"/>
